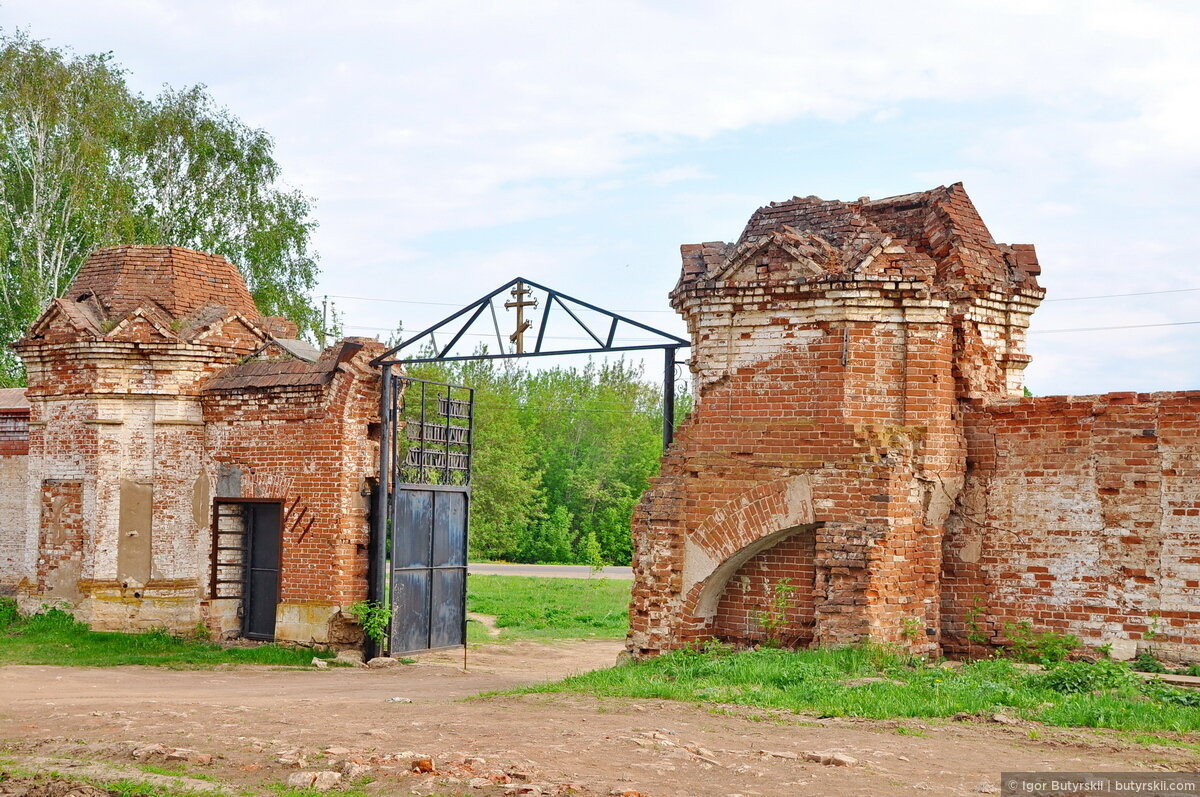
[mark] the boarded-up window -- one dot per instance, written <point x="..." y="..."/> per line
<point x="14" y="432"/>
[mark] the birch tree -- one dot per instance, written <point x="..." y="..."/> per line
<point x="61" y="122"/>
<point x="86" y="163"/>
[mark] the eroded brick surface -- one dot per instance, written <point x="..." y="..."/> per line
<point x="1080" y="515"/>
<point x="16" y="551"/>
<point x="858" y="433"/>
<point x="832" y="346"/>
<point x="151" y="374"/>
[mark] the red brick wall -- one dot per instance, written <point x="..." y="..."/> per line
<point x="1081" y="515"/>
<point x="310" y="448"/>
<point x="832" y="426"/>
<point x="14" y="433"/>
<point x="61" y="548"/>
<point x="832" y="345"/>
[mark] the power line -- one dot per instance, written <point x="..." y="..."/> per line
<point x="448" y="304"/>
<point x="393" y="301"/>
<point x="490" y="336"/>
<point x="1119" y="295"/>
<point x="1124" y="326"/>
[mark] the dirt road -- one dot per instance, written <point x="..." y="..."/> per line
<point x="551" y="571"/>
<point x="251" y="728"/>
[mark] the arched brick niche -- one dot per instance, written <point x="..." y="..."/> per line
<point x="771" y="595"/>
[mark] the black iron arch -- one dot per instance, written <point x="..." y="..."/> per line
<point x="605" y="340"/>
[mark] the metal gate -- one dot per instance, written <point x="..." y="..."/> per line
<point x="427" y="448"/>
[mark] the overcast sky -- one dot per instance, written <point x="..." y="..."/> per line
<point x="453" y="146"/>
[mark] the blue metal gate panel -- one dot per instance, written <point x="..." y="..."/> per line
<point x="428" y="513"/>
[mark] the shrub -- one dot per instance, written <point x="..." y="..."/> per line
<point x="1037" y="647"/>
<point x="8" y="613"/>
<point x="1078" y="677"/>
<point x="374" y="618"/>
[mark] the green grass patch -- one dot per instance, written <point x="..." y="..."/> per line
<point x="549" y="608"/>
<point x="124" y="787"/>
<point x="55" y="637"/>
<point x="1102" y="695"/>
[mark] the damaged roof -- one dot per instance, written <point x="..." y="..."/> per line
<point x="292" y="372"/>
<point x="13" y="399"/>
<point x="927" y="235"/>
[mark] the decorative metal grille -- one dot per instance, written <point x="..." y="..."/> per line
<point x="434" y="446"/>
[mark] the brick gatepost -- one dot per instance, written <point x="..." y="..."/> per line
<point x="833" y="347"/>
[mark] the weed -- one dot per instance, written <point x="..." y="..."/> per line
<point x="774" y="618"/>
<point x="8" y="613"/>
<point x="374" y="617"/>
<point x="1077" y="677"/>
<point x="1145" y="662"/>
<point x="912" y="628"/>
<point x="1037" y="647"/>
<point x="1033" y="735"/>
<point x="974" y="617"/>
<point x="1171" y="695"/>
<point x="1155" y="630"/>
<point x="903" y="731"/>
<point x="200" y="632"/>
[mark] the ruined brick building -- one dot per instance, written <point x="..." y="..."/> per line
<point x="171" y="436"/>
<point x="860" y="449"/>
<point x="861" y="437"/>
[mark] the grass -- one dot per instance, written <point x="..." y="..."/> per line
<point x="55" y="637"/>
<point x="549" y="608"/>
<point x="525" y="608"/>
<point x="1103" y="695"/>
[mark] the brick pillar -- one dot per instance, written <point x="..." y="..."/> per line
<point x="830" y="347"/>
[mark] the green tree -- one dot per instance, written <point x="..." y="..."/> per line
<point x="560" y="457"/>
<point x="507" y="499"/>
<point x="205" y="180"/>
<point x="86" y="163"/>
<point x="550" y="540"/>
<point x="62" y="122"/>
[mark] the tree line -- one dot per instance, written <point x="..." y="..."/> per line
<point x="85" y="162"/>
<point x="560" y="457"/>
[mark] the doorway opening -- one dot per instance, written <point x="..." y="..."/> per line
<point x="247" y="536"/>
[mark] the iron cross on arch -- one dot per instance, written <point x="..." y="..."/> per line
<point x="525" y="295"/>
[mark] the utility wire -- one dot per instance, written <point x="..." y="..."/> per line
<point x="483" y="335"/>
<point x="1119" y="295"/>
<point x="1031" y="332"/>
<point x="449" y="304"/>
<point x="1056" y="299"/>
<point x="1101" y="329"/>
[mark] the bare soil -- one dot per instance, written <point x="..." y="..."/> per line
<point x="248" y="728"/>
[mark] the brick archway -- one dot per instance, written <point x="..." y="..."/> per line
<point x="738" y="538"/>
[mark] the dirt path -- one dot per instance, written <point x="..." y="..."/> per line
<point x="250" y="728"/>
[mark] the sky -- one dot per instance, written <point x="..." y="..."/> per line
<point x="451" y="146"/>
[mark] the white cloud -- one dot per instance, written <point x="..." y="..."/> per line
<point x="419" y="118"/>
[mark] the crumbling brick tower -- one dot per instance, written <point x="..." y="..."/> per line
<point x="804" y="498"/>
